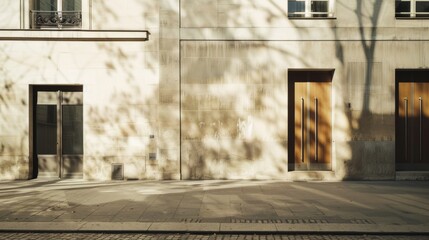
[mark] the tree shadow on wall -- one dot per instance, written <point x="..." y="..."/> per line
<point x="233" y="99"/>
<point x="231" y="117"/>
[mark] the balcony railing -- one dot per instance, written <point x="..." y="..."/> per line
<point x="56" y="19"/>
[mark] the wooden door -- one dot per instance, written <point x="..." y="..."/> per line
<point x="412" y="139"/>
<point x="312" y="132"/>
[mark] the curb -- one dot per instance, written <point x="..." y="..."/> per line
<point x="213" y="228"/>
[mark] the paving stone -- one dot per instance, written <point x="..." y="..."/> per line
<point x="115" y="226"/>
<point x="98" y="218"/>
<point x="349" y="204"/>
<point x="196" y="205"/>
<point x="72" y="216"/>
<point x="125" y="218"/>
<point x="247" y="227"/>
<point x="200" y="227"/>
<point x="137" y="236"/>
<point x="187" y="212"/>
<point x="41" y="218"/>
<point x="284" y="213"/>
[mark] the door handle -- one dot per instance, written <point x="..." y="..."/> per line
<point x="406" y="128"/>
<point x="420" y="126"/>
<point x="316" y="133"/>
<point x="302" y="129"/>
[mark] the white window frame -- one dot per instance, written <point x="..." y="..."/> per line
<point x="28" y="6"/>
<point x="413" y="9"/>
<point x="308" y="13"/>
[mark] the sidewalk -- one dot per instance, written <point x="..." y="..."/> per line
<point x="215" y="206"/>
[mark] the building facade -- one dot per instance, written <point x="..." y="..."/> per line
<point x="202" y="89"/>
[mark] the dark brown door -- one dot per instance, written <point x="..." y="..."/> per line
<point x="413" y="126"/>
<point x="312" y="136"/>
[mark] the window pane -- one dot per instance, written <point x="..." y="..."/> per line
<point x="46" y="129"/>
<point x="296" y="6"/>
<point x="72" y="5"/>
<point x="402" y="6"/>
<point x="319" y="6"/>
<point x="45" y="5"/>
<point x="72" y="129"/>
<point x="422" y="6"/>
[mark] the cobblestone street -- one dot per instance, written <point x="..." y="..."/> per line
<point x="103" y="236"/>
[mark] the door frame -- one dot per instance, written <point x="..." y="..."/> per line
<point x="411" y="76"/>
<point x="33" y="89"/>
<point x="303" y="75"/>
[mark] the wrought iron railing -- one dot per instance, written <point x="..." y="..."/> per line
<point x="56" y="19"/>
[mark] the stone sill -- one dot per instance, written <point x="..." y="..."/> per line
<point x="74" y="35"/>
<point x="312" y="18"/>
<point x="412" y="18"/>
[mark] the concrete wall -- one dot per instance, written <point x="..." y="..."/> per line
<point x="264" y="42"/>
<point x="229" y="84"/>
<point x="269" y="14"/>
<point x="128" y="88"/>
<point x="234" y="110"/>
<point x="213" y="91"/>
<point x="126" y="15"/>
<point x="10" y="17"/>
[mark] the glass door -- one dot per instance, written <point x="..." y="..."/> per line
<point x="59" y="134"/>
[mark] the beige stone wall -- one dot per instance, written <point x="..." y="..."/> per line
<point x="126" y="15"/>
<point x="363" y="134"/>
<point x="269" y="14"/>
<point x="10" y="17"/>
<point x="210" y="85"/>
<point x="234" y="110"/>
<point x="234" y="106"/>
<point x="120" y="88"/>
<point x="130" y="90"/>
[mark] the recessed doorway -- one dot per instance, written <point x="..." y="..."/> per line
<point x="412" y="120"/>
<point x="57" y="127"/>
<point x="310" y="110"/>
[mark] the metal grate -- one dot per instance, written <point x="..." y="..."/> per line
<point x="289" y="221"/>
<point x="117" y="171"/>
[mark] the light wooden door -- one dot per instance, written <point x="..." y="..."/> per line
<point x="312" y="132"/>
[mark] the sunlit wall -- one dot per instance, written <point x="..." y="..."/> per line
<point x="210" y="86"/>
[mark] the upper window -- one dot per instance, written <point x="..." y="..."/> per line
<point x="56" y="14"/>
<point x="310" y="8"/>
<point x="412" y="8"/>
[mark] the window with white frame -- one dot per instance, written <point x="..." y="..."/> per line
<point x="311" y="8"/>
<point x="56" y="14"/>
<point x="412" y="8"/>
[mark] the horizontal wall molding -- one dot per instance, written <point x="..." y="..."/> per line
<point x="308" y="34"/>
<point x="74" y="35"/>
